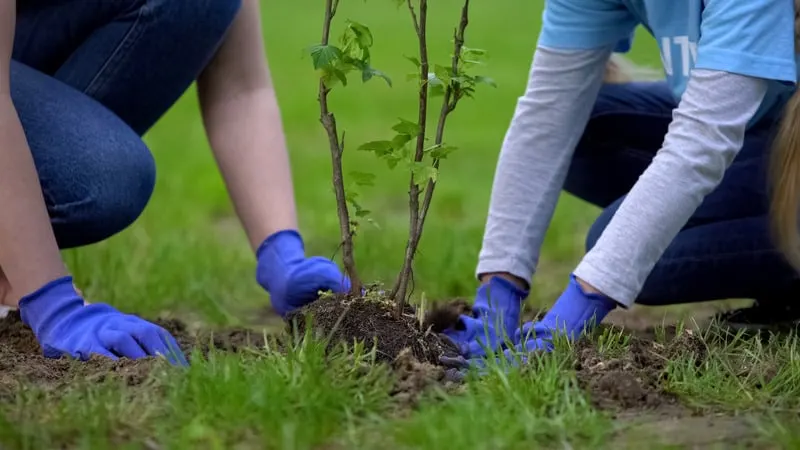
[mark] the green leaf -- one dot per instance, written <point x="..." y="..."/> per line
<point x="407" y="127"/>
<point x="362" y="34"/>
<point x="369" y="72"/>
<point x="422" y="172"/>
<point x="472" y="55"/>
<point x="433" y="80"/>
<point x="362" y="178"/>
<point x="331" y="75"/>
<point x="380" y="148"/>
<point x="363" y="212"/>
<point x="484" y="80"/>
<point x="394" y="158"/>
<point x="324" y="56"/>
<point x="436" y="91"/>
<point x="400" y="140"/>
<point x="443" y="73"/>
<point x="414" y="60"/>
<point x="440" y="151"/>
<point x="435" y="86"/>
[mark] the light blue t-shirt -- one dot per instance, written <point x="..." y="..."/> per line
<point x="747" y="37"/>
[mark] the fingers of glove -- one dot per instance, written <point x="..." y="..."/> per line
<point x="536" y="344"/>
<point x="452" y="338"/>
<point x="532" y="330"/>
<point x="120" y="343"/>
<point x="322" y="273"/>
<point x="476" y="327"/>
<point x="455" y="362"/>
<point x="155" y="340"/>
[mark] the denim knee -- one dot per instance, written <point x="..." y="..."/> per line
<point x="114" y="199"/>
<point x="96" y="173"/>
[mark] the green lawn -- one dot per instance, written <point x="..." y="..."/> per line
<point x="188" y="256"/>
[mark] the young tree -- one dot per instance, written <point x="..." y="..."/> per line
<point x="451" y="82"/>
<point x="335" y="63"/>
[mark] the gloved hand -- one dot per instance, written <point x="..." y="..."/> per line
<point x="574" y="312"/>
<point x="64" y="325"/>
<point x="291" y="279"/>
<point x="497" y="310"/>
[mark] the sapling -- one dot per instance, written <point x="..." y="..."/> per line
<point x="451" y="82"/>
<point x="334" y="64"/>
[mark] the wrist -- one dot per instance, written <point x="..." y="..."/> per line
<point x="587" y="288"/>
<point x="590" y="293"/>
<point x="518" y="282"/>
<point x="51" y="299"/>
<point x="282" y="243"/>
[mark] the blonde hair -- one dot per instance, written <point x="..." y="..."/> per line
<point x="784" y="169"/>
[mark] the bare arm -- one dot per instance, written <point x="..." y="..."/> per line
<point x="29" y="254"/>
<point x="243" y="121"/>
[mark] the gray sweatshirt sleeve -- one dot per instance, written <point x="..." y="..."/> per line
<point x="536" y="152"/>
<point x="706" y="133"/>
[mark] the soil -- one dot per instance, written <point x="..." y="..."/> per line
<point x="633" y="380"/>
<point x="627" y="384"/>
<point x="343" y="319"/>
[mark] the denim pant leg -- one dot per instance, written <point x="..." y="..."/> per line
<point x="89" y="78"/>
<point x="725" y="250"/>
<point x="136" y="57"/>
<point x="625" y="130"/>
<point x="96" y="173"/>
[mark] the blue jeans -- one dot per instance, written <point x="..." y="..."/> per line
<point x="88" y="79"/>
<point x="725" y="250"/>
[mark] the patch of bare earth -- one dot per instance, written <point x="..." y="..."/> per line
<point x="630" y="384"/>
<point x="22" y="363"/>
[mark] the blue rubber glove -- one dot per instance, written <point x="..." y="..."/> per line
<point x="63" y="325"/>
<point x="574" y="312"/>
<point x="291" y="279"/>
<point x="497" y="310"/>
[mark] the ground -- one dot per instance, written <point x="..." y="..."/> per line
<point x="187" y="264"/>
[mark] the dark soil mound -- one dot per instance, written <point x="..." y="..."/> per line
<point x="344" y="319"/>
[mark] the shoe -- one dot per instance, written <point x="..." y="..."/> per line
<point x="771" y="316"/>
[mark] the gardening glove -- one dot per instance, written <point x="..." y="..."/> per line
<point x="496" y="310"/>
<point x="291" y="279"/>
<point x="63" y="325"/>
<point x="574" y="312"/>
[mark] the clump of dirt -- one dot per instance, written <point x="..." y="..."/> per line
<point x="345" y="319"/>
<point x="633" y="378"/>
<point x="413" y="379"/>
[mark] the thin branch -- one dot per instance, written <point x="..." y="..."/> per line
<point x="420" y="26"/>
<point x="337" y="148"/>
<point x="448" y="106"/>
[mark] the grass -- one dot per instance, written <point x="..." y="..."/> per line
<point x="187" y="256"/>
